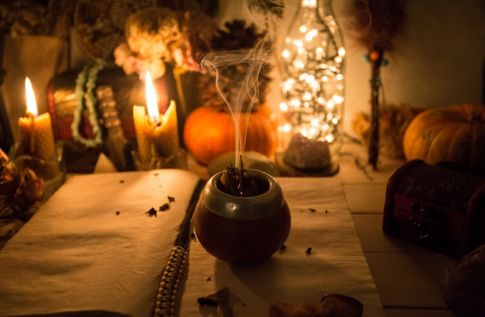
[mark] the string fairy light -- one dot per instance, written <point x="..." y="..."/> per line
<point x="312" y="87"/>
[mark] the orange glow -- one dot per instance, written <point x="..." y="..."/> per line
<point x="30" y="97"/>
<point x="151" y="99"/>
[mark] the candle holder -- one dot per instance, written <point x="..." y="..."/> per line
<point x="51" y="171"/>
<point x="177" y="159"/>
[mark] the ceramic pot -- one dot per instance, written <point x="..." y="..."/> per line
<point x="242" y="230"/>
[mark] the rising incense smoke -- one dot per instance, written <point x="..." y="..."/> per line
<point x="223" y="63"/>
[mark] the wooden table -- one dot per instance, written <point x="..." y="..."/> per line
<point x="407" y="277"/>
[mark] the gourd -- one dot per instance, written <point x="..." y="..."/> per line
<point x="454" y="133"/>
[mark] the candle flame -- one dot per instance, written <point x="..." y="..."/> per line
<point x="151" y="99"/>
<point x="30" y="97"/>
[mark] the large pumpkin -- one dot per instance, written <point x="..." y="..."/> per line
<point x="210" y="132"/>
<point x="454" y="133"/>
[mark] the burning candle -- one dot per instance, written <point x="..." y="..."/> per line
<point x="36" y="134"/>
<point x="156" y="134"/>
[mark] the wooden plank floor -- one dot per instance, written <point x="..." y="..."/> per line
<point x="407" y="277"/>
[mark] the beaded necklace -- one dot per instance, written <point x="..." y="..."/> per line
<point x="91" y="73"/>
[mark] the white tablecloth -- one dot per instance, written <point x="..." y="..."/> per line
<point x="336" y="263"/>
<point x="77" y="255"/>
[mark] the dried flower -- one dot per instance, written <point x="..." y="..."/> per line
<point x="20" y="190"/>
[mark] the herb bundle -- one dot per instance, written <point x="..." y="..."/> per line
<point x="237" y="181"/>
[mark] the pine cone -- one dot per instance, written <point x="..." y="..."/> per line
<point x="237" y="35"/>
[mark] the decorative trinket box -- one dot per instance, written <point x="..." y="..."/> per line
<point x="438" y="206"/>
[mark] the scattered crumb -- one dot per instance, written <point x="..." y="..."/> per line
<point x="208" y="279"/>
<point x="117" y="212"/>
<point x="312" y="209"/>
<point x="122" y="181"/>
<point x="308" y="251"/>
<point x="283" y="248"/>
<point x="244" y="304"/>
<point x="155" y="174"/>
<point x="164" y="207"/>
<point x="152" y="212"/>
<point x="171" y="199"/>
<point x="326" y="211"/>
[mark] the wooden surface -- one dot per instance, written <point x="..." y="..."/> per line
<point x="407" y="277"/>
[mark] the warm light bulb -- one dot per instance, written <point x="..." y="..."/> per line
<point x="151" y="99"/>
<point x="285" y="54"/>
<point x="298" y="43"/>
<point x="312" y="132"/>
<point x="340" y="76"/>
<point x="341" y="51"/>
<point x="30" y="97"/>
<point x="295" y="103"/>
<point x="288" y="84"/>
<point x="311" y="34"/>
<point x="285" y="128"/>
<point x="307" y="96"/>
<point x="309" y="3"/>
<point x="338" y="99"/>
<point x="330" y="105"/>
<point x="319" y="52"/>
<point x="284" y="106"/>
<point x="299" y="64"/>
<point x="329" y="138"/>
<point x="303" y="28"/>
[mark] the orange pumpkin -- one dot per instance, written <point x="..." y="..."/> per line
<point x="210" y="132"/>
<point x="454" y="133"/>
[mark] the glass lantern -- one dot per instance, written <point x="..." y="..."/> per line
<point x="312" y="69"/>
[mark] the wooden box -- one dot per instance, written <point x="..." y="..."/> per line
<point x="436" y="206"/>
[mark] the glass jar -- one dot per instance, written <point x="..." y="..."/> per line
<point x="312" y="69"/>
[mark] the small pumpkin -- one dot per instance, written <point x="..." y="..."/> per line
<point x="454" y="133"/>
<point x="210" y="132"/>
